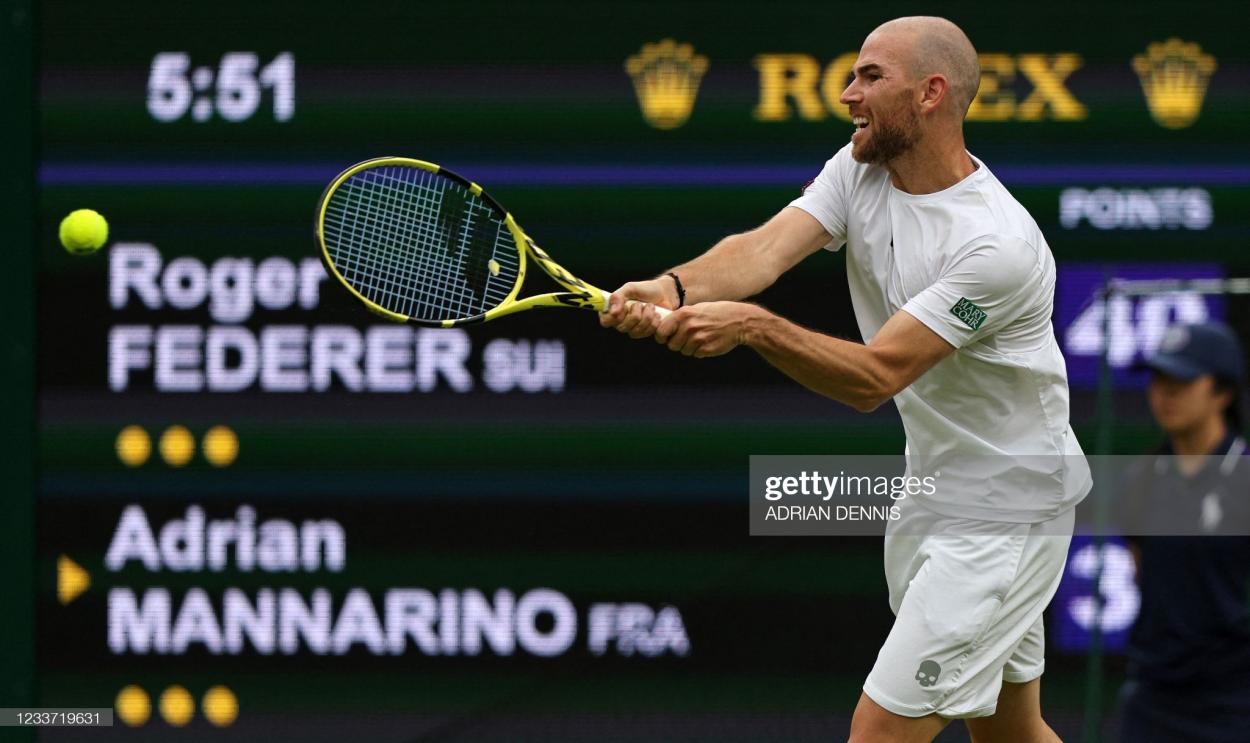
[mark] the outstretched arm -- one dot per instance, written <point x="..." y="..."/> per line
<point x="737" y="267"/>
<point x="859" y="375"/>
<point x="746" y="264"/>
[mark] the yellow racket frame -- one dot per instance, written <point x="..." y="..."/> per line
<point x="580" y="295"/>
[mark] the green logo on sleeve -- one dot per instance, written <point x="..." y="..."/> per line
<point x="968" y="313"/>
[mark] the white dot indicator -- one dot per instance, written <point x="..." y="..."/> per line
<point x="202" y="109"/>
<point x="202" y="78"/>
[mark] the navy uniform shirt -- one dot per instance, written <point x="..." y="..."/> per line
<point x="1194" y="624"/>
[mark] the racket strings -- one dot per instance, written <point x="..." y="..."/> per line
<point x="419" y="244"/>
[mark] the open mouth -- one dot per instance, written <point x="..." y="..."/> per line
<point x="860" y="122"/>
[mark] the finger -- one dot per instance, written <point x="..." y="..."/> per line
<point x="627" y="324"/>
<point x="641" y="321"/>
<point x="617" y="303"/>
<point x="677" y="341"/>
<point x="634" y="322"/>
<point x="647" y="321"/>
<point x="609" y="317"/>
<point x="666" y="326"/>
<point x="642" y="330"/>
<point x="708" y="349"/>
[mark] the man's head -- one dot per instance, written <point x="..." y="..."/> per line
<point x="915" y="77"/>
<point x="1196" y="376"/>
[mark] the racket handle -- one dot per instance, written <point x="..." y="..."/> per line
<point x="660" y="311"/>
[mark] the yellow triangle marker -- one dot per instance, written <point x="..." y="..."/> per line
<point x="71" y="580"/>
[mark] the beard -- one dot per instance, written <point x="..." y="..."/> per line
<point x="889" y="140"/>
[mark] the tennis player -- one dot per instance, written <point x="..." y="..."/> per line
<point x="953" y="289"/>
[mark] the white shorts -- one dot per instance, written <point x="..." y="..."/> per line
<point x="968" y="598"/>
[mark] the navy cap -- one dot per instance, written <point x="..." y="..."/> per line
<point x="1189" y="351"/>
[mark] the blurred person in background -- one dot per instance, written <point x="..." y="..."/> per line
<point x="1189" y="652"/>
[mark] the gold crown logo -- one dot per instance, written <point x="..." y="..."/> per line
<point x="666" y="79"/>
<point x="1174" y="76"/>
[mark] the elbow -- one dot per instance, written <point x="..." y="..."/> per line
<point x="880" y="388"/>
<point x="869" y="403"/>
<point x="869" y="399"/>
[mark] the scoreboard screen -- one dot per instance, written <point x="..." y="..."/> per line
<point x="263" y="511"/>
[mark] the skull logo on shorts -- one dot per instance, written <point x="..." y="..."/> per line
<point x="927" y="674"/>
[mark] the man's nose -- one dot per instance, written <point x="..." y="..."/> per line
<point x="850" y="95"/>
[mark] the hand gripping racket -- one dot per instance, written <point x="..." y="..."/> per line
<point x="417" y="243"/>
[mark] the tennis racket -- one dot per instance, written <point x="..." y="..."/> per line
<point x="418" y="243"/>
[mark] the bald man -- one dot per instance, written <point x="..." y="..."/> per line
<point x="953" y="289"/>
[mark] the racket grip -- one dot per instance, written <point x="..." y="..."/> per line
<point x="660" y="311"/>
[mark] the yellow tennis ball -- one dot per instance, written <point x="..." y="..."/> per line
<point x="84" y="231"/>
<point x="221" y="446"/>
<point x="221" y="706"/>
<point x="133" y="706"/>
<point x="177" y="706"/>
<point x="177" y="445"/>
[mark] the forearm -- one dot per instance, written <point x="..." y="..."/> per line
<point x="735" y="268"/>
<point x="841" y="370"/>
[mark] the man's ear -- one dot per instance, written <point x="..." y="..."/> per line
<point x="936" y="88"/>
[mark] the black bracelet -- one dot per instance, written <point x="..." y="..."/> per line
<point x="681" y="291"/>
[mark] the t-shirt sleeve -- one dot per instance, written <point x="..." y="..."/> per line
<point x="826" y="197"/>
<point x="991" y="283"/>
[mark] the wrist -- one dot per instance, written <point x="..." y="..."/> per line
<point x="679" y="291"/>
<point x="753" y="332"/>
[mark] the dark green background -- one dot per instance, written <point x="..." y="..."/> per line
<point x="630" y="485"/>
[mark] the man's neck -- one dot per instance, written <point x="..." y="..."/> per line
<point x="935" y="164"/>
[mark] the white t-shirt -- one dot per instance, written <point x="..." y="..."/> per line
<point x="971" y="264"/>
